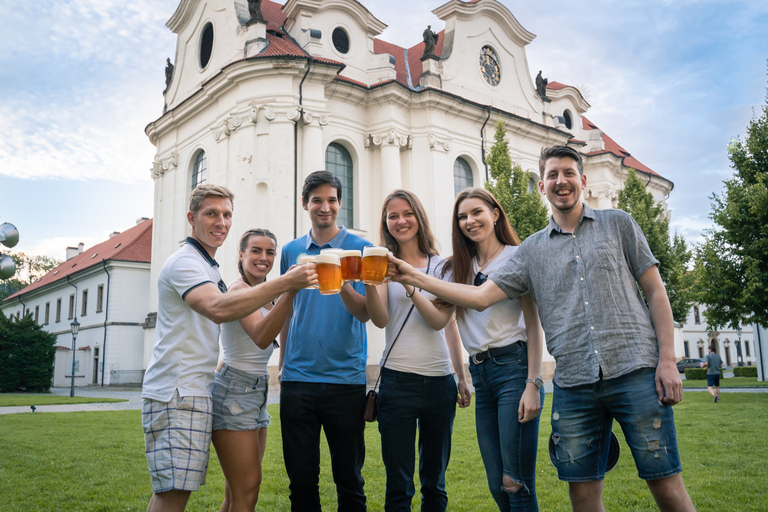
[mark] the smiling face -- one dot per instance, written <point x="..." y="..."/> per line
<point x="323" y="206"/>
<point x="476" y="219"/>
<point x="562" y="184"/>
<point x="401" y="221"/>
<point x="211" y="223"/>
<point x="258" y="258"/>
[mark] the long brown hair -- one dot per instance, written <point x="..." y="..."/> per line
<point x="465" y="249"/>
<point x="425" y="237"/>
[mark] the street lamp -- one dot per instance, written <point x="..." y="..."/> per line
<point x="9" y="237"/>
<point x="727" y="348"/>
<point x="739" y="358"/>
<point x="75" y="325"/>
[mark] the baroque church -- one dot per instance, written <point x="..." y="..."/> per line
<point x="260" y="94"/>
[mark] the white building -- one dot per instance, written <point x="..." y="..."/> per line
<point x="257" y="106"/>
<point x="733" y="346"/>
<point x="106" y="289"/>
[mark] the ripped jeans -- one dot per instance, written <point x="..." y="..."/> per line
<point x="582" y="418"/>
<point x="239" y="400"/>
<point x="507" y="446"/>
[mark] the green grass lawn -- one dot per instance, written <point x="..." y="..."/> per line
<point x="17" y="399"/>
<point x="94" y="461"/>
<point x="730" y="382"/>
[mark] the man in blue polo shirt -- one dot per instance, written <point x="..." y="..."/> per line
<point x="322" y="358"/>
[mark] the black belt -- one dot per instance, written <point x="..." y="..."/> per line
<point x="496" y="352"/>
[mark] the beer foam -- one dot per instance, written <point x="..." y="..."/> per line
<point x="328" y="258"/>
<point x="350" y="252"/>
<point x="375" y="251"/>
<point x="332" y="251"/>
<point x="303" y="260"/>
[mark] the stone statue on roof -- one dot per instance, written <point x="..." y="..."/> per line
<point x="254" y="9"/>
<point x="541" y="87"/>
<point x="168" y="74"/>
<point x="430" y="40"/>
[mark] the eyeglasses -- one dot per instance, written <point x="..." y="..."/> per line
<point x="222" y="286"/>
<point x="480" y="278"/>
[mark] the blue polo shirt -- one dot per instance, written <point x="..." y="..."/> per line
<point x="325" y="342"/>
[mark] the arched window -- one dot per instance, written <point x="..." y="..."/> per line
<point x="462" y="176"/>
<point x="339" y="163"/>
<point x="200" y="170"/>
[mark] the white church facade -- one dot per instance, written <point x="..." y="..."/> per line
<point x="258" y="105"/>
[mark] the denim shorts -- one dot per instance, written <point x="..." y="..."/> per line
<point x="239" y="400"/>
<point x="582" y="418"/>
<point x="713" y="380"/>
<point x="177" y="440"/>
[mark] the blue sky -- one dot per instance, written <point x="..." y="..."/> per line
<point x="671" y="81"/>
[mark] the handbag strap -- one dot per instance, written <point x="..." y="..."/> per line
<point x="375" y="386"/>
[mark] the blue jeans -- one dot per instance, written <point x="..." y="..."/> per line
<point x="305" y="408"/>
<point x="582" y="418"/>
<point x="508" y="447"/>
<point x="408" y="401"/>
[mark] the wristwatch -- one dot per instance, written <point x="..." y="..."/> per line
<point x="536" y="382"/>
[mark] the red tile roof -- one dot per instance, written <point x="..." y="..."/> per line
<point x="134" y="244"/>
<point x="556" y="86"/>
<point x="611" y="146"/>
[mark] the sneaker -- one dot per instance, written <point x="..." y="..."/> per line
<point x="717" y="399"/>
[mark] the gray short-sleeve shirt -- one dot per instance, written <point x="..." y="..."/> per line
<point x="585" y="286"/>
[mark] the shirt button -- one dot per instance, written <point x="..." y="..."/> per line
<point x="586" y="303"/>
<point x="592" y="327"/>
<point x="577" y="256"/>
<point x="581" y="279"/>
<point x="595" y="351"/>
<point x="574" y="236"/>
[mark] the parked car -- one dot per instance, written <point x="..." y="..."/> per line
<point x="689" y="363"/>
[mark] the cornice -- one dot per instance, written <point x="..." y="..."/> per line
<point x="494" y="9"/>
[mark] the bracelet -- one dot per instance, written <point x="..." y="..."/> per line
<point x="411" y="295"/>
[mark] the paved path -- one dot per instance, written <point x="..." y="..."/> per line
<point x="133" y="397"/>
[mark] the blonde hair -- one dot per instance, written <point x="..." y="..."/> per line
<point x="201" y="192"/>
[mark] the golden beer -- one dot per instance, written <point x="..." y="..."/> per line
<point x="328" y="273"/>
<point x="351" y="266"/>
<point x="374" y="264"/>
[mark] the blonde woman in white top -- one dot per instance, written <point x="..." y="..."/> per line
<point x="239" y="391"/>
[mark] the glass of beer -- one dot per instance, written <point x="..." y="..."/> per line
<point x="328" y="273"/>
<point x="374" y="264"/>
<point x="303" y="260"/>
<point x="351" y="265"/>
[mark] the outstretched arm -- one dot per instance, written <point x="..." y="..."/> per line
<point x="264" y="329"/>
<point x="464" y="295"/>
<point x="669" y="385"/>
<point x="530" y="402"/>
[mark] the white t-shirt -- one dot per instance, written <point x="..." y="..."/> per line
<point x="186" y="343"/>
<point x="240" y="352"/>
<point x="497" y="326"/>
<point x="419" y="349"/>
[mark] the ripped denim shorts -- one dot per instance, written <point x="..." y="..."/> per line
<point x="239" y="400"/>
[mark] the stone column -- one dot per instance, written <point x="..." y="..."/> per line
<point x="312" y="154"/>
<point x="391" y="143"/>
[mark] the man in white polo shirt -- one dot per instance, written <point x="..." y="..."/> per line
<point x="176" y="414"/>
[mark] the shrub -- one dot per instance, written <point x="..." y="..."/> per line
<point x="699" y="373"/>
<point x="745" y="371"/>
<point x="26" y="355"/>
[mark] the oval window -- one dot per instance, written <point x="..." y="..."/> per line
<point x="340" y="40"/>
<point x="206" y="45"/>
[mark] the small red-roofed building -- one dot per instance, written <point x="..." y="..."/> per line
<point x="106" y="289"/>
<point x="258" y="105"/>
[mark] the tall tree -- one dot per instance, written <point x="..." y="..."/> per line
<point x="525" y="209"/>
<point x="29" y="268"/>
<point x="732" y="263"/>
<point x="673" y="255"/>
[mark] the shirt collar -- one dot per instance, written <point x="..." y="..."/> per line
<point x="197" y="245"/>
<point x="586" y="212"/>
<point x="335" y="243"/>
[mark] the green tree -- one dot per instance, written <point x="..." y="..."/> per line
<point x="29" y="268"/>
<point x="525" y="209"/>
<point x="732" y="263"/>
<point x="26" y="355"/>
<point x="673" y="255"/>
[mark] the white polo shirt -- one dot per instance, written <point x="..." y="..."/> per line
<point x="186" y="343"/>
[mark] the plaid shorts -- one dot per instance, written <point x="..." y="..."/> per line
<point x="177" y="437"/>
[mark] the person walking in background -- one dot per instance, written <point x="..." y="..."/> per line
<point x="713" y="363"/>
<point x="323" y="355"/>
<point x="418" y="391"/>
<point x="241" y="384"/>
<point x="176" y="413"/>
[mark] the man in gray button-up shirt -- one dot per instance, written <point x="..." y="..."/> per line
<point x="615" y="356"/>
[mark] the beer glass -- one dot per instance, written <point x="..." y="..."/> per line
<point x="303" y="260"/>
<point x="351" y="265"/>
<point x="374" y="264"/>
<point x="328" y="273"/>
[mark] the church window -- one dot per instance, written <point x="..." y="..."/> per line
<point x="462" y="176"/>
<point x="206" y="45"/>
<point x="339" y="162"/>
<point x="568" y="119"/>
<point x="340" y="40"/>
<point x="200" y="170"/>
<point x="696" y="317"/>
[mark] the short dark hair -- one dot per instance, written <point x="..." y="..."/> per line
<point x="559" y="152"/>
<point x="318" y="179"/>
